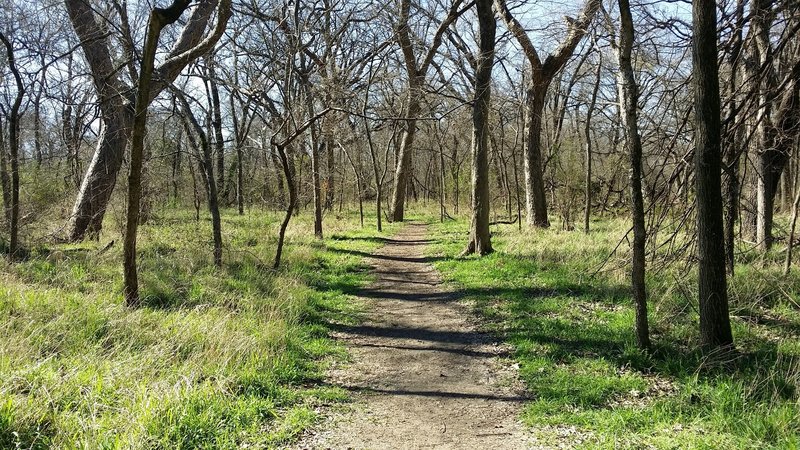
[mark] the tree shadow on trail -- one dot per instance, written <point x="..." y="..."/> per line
<point x="430" y="393"/>
<point x="382" y="240"/>
<point x="408" y="259"/>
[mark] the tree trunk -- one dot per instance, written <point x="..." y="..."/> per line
<point x="403" y="168"/>
<point x="37" y="116"/>
<point x="240" y="178"/>
<point x="715" y="327"/>
<point x="216" y="124"/>
<point x="276" y="163"/>
<point x="13" y="149"/>
<point x="770" y="164"/>
<point x="176" y="165"/>
<point x="101" y="174"/>
<point x="131" y="281"/>
<point x="542" y="74"/>
<point x="5" y="179"/>
<point x="206" y="159"/>
<point x="480" y="239"/>
<point x="587" y="129"/>
<point x="792" y="227"/>
<point x="331" y="166"/>
<point x="629" y="96"/>
<point x="290" y="206"/>
<point x="535" y="198"/>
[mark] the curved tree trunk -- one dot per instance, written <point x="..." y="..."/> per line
<point x="290" y="206"/>
<point x="13" y="147"/>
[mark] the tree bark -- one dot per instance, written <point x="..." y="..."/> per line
<point x="159" y="18"/>
<point x="792" y="228"/>
<point x="733" y="149"/>
<point x="629" y="97"/>
<point x="216" y="125"/>
<point x="206" y="158"/>
<point x="535" y="196"/>
<point x="715" y="327"/>
<point x="290" y="206"/>
<point x="155" y="25"/>
<point x="416" y="71"/>
<point x="480" y="239"/>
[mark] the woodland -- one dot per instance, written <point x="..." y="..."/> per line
<point x="206" y="203"/>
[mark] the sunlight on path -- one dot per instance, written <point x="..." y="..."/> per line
<point x="422" y="376"/>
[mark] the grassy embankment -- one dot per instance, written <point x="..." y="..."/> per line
<point x="213" y="359"/>
<point x="573" y="339"/>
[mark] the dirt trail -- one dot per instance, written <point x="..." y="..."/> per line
<point x="422" y="376"/>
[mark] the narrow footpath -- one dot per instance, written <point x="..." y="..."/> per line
<point x="422" y="376"/>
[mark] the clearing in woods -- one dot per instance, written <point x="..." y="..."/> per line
<point x="422" y="375"/>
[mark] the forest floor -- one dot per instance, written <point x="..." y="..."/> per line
<point x="388" y="340"/>
<point x="422" y="375"/>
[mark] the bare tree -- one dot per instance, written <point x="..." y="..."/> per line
<point x="542" y="74"/>
<point x="116" y="101"/>
<point x="159" y="18"/>
<point x="416" y="71"/>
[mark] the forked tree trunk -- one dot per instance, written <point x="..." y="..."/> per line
<point x="116" y="103"/>
<point x="542" y="74"/>
<point x="416" y="69"/>
<point x="159" y="18"/>
<point x="715" y="326"/>
<point x="155" y="25"/>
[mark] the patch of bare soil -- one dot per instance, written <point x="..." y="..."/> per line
<point x="422" y="375"/>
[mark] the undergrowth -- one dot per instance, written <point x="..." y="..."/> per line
<point x="215" y="358"/>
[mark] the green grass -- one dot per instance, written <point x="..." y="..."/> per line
<point x="215" y="358"/>
<point x="572" y="334"/>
